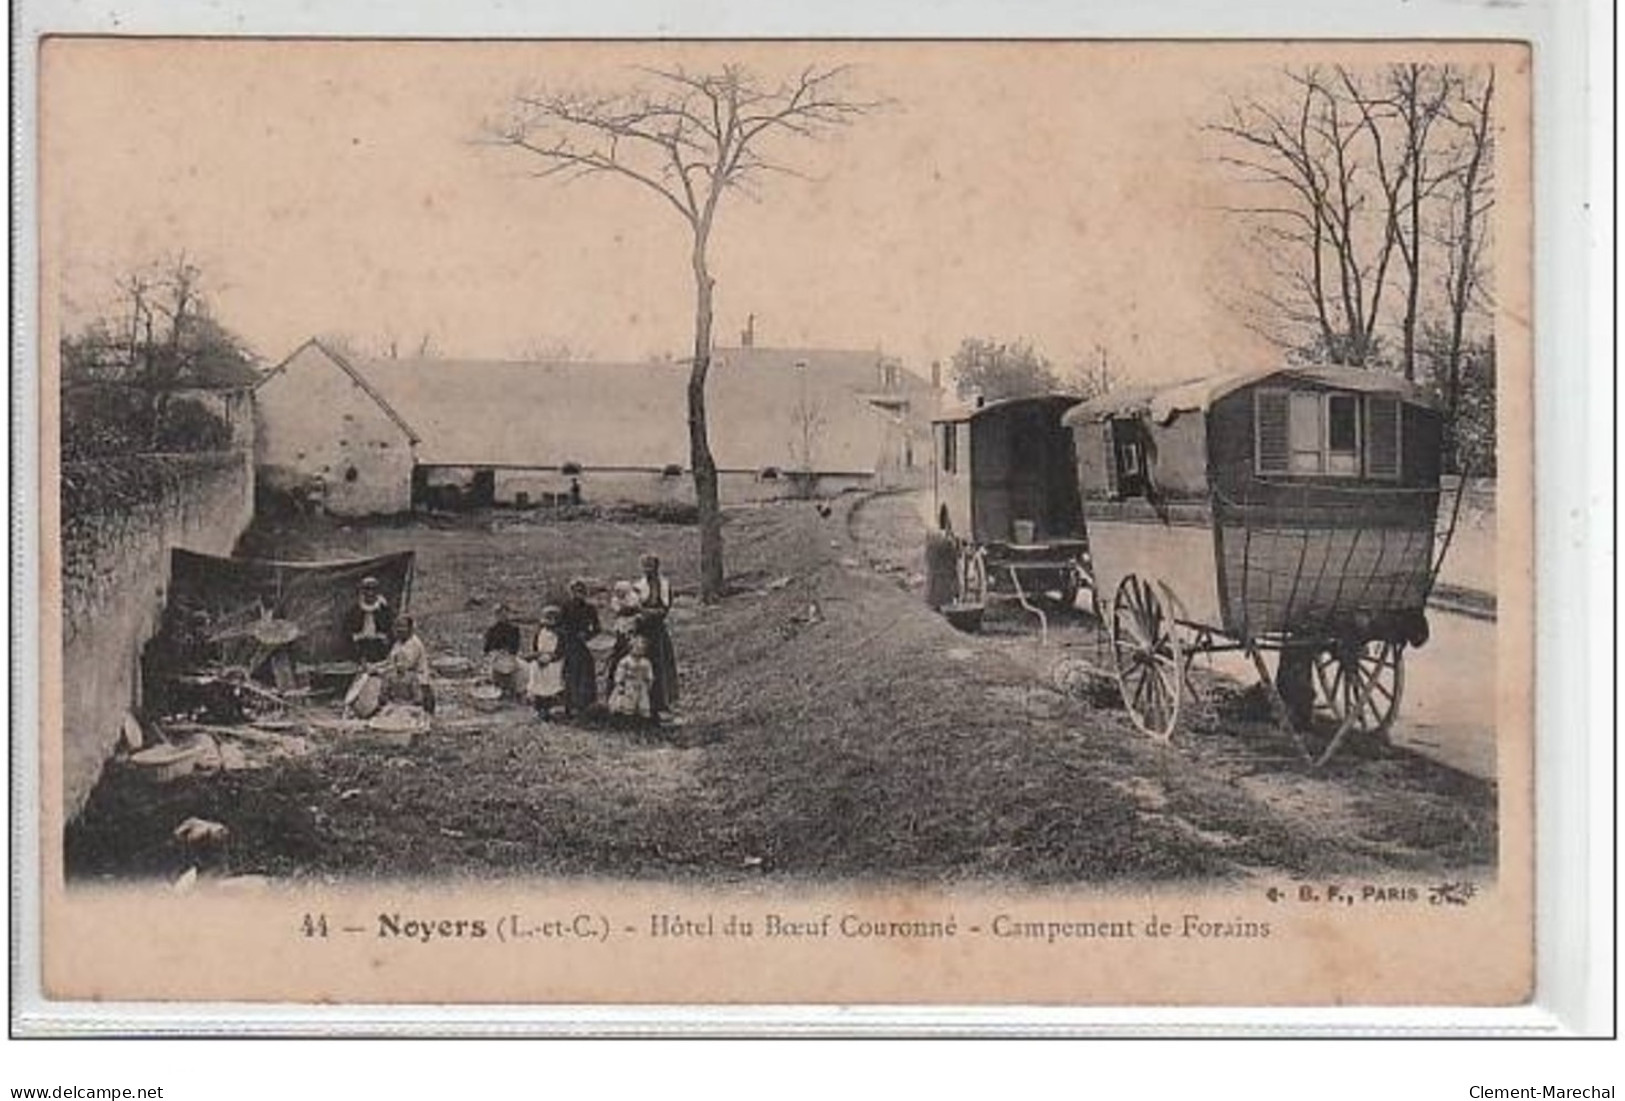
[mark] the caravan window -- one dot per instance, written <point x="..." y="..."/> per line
<point x="1332" y="434"/>
<point x="1127" y="456"/>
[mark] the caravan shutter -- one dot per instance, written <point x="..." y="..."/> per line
<point x="1273" y="449"/>
<point x="1382" y="436"/>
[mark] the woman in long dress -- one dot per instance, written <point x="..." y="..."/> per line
<point x="654" y="599"/>
<point x="578" y="622"/>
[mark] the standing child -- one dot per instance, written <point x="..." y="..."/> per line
<point x="634" y="680"/>
<point x="547" y="671"/>
<point x="625" y="624"/>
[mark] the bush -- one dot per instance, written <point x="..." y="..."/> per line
<point x="101" y="420"/>
<point x="188" y="425"/>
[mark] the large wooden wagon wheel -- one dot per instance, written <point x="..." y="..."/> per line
<point x="1150" y="665"/>
<point x="1361" y="683"/>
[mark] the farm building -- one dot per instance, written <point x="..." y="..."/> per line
<point x="321" y="428"/>
<point x="381" y="435"/>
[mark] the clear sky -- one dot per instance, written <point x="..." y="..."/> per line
<point x="1061" y="193"/>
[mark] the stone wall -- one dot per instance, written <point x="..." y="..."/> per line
<point x="115" y="567"/>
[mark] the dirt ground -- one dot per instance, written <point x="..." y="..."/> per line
<point x="833" y="728"/>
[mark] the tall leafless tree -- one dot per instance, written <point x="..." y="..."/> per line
<point x="1348" y="166"/>
<point x="1399" y="116"/>
<point x="688" y="138"/>
<point x="1307" y="150"/>
<point x="807" y="425"/>
<point x="1466" y="227"/>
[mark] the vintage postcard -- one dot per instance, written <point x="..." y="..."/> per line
<point x="1033" y="523"/>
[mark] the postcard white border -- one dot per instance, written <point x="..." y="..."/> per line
<point x="1575" y="758"/>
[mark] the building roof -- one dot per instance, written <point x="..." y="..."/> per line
<point x="635" y="415"/>
<point x="968" y="411"/>
<point x="1162" y="403"/>
<point x="343" y="364"/>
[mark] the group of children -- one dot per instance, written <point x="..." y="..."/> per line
<point x="539" y="675"/>
<point x="558" y="671"/>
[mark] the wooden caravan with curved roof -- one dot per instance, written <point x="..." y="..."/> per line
<point x="1004" y="487"/>
<point x="1291" y="509"/>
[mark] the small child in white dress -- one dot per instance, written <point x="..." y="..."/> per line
<point x="634" y="678"/>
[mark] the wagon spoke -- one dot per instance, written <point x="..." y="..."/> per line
<point x="1157" y="710"/>
<point x="1132" y="626"/>
<point x="1361" y="686"/>
<point x="1153" y="699"/>
<point x="1371" y="716"/>
<point x="1148" y="657"/>
<point x="1141" y="679"/>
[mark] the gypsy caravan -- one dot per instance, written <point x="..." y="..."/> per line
<point x="1290" y="509"/>
<point x="1005" y="505"/>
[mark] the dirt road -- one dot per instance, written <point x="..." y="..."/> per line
<point x="1448" y="711"/>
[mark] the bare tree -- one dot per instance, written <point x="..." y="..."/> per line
<point x="1466" y="231"/>
<point x="688" y="139"/>
<point x="1399" y="119"/>
<point x="807" y="424"/>
<point x="157" y="337"/>
<point x="1307" y="151"/>
<point x="1095" y="375"/>
<point x="383" y="346"/>
<point x="1352" y="168"/>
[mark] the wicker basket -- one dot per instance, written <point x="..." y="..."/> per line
<point x="397" y="726"/>
<point x="163" y="763"/>
<point x="485" y="697"/>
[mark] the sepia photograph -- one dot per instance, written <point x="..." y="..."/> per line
<point x="1031" y="521"/>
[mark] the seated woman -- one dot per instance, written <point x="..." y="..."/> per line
<point x="502" y="654"/>
<point x="369" y="622"/>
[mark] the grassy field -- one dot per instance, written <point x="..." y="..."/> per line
<point x="868" y="742"/>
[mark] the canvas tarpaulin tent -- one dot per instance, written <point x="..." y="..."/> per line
<point x="235" y="594"/>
